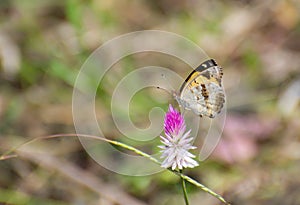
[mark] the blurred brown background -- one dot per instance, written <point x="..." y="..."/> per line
<point x="43" y="45"/>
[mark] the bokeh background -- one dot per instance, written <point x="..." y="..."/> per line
<point x="43" y="45"/>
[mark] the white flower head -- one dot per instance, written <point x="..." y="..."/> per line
<point x="177" y="142"/>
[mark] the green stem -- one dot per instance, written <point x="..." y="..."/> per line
<point x="6" y="155"/>
<point x="201" y="186"/>
<point x="184" y="190"/>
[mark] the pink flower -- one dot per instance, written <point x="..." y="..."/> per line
<point x="174" y="122"/>
<point x="177" y="142"/>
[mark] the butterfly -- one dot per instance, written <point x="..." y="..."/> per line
<point x="202" y="91"/>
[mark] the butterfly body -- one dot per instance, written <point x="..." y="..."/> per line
<point x="202" y="91"/>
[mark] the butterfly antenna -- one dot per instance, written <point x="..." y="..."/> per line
<point x="161" y="88"/>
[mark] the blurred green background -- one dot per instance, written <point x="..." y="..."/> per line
<point x="43" y="45"/>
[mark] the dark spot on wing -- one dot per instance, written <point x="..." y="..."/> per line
<point x="204" y="92"/>
<point x="221" y="71"/>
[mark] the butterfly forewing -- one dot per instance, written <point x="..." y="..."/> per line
<point x="202" y="92"/>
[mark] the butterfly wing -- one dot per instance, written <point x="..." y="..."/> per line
<point x="202" y="91"/>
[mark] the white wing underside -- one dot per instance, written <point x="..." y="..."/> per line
<point x="204" y="96"/>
